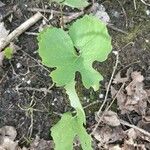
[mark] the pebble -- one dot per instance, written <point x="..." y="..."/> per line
<point x="148" y="12"/>
<point x="29" y="81"/>
<point x="101" y="95"/>
<point x="18" y="65"/>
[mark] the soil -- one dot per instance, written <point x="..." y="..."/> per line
<point x="33" y="112"/>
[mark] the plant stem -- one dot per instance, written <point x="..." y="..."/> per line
<point x="74" y="99"/>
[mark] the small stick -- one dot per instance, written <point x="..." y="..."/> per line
<point x="48" y="11"/>
<point x="105" y="99"/>
<point x="134" y="2"/>
<point x="134" y="127"/>
<point x="145" y="3"/>
<point x="35" y="89"/>
<point x="21" y="29"/>
<point x="109" y="84"/>
<point x="116" y="29"/>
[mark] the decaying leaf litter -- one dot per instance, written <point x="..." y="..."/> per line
<point x="131" y="102"/>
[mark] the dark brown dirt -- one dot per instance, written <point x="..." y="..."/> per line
<point x="15" y="106"/>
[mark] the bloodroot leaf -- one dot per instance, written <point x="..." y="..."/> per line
<point x="65" y="131"/>
<point x="87" y="41"/>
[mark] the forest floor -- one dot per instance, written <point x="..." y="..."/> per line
<point x="32" y="104"/>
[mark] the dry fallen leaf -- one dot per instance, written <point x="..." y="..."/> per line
<point x="41" y="144"/>
<point x="131" y="133"/>
<point x="106" y="135"/>
<point x="100" y="12"/>
<point x="8" y="131"/>
<point x="111" y="118"/>
<point x="103" y="135"/>
<point x="7" y="136"/>
<point x="119" y="79"/>
<point x="113" y="147"/>
<point x="133" y="97"/>
<point x="7" y="141"/>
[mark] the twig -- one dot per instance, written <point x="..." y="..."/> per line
<point x="116" y="29"/>
<point x="68" y="19"/>
<point x="31" y="33"/>
<point x="134" y="2"/>
<point x="35" y="89"/>
<point x="47" y="11"/>
<point x="109" y="84"/>
<point x="134" y="127"/>
<point x="18" y="31"/>
<point x="100" y="119"/>
<point x="145" y="3"/>
<point x="91" y="104"/>
<point x="105" y="99"/>
<point x="114" y="98"/>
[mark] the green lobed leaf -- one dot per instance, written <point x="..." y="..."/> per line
<point x="73" y="3"/>
<point x="57" y="49"/>
<point x="65" y="131"/>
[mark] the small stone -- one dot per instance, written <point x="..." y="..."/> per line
<point x="146" y="40"/>
<point x="148" y="12"/>
<point x="29" y="81"/>
<point x="18" y="65"/>
<point x="101" y="95"/>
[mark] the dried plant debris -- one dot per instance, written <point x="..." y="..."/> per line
<point x="100" y="12"/>
<point x="115" y="138"/>
<point x="8" y="142"/>
<point x="7" y="137"/>
<point x="119" y="79"/>
<point x="133" y="97"/>
<point x="111" y="118"/>
<point x="107" y="135"/>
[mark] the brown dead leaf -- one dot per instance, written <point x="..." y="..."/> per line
<point x="131" y="133"/>
<point x="41" y="144"/>
<point x="8" y="131"/>
<point x="111" y="118"/>
<point x="121" y="99"/>
<point x="103" y="135"/>
<point x="137" y="83"/>
<point x="119" y="79"/>
<point x="106" y="135"/>
<point x="8" y="144"/>
<point x="133" y="97"/>
<point x="146" y="126"/>
<point x="130" y="144"/>
<point x="7" y="136"/>
<point x="113" y="147"/>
